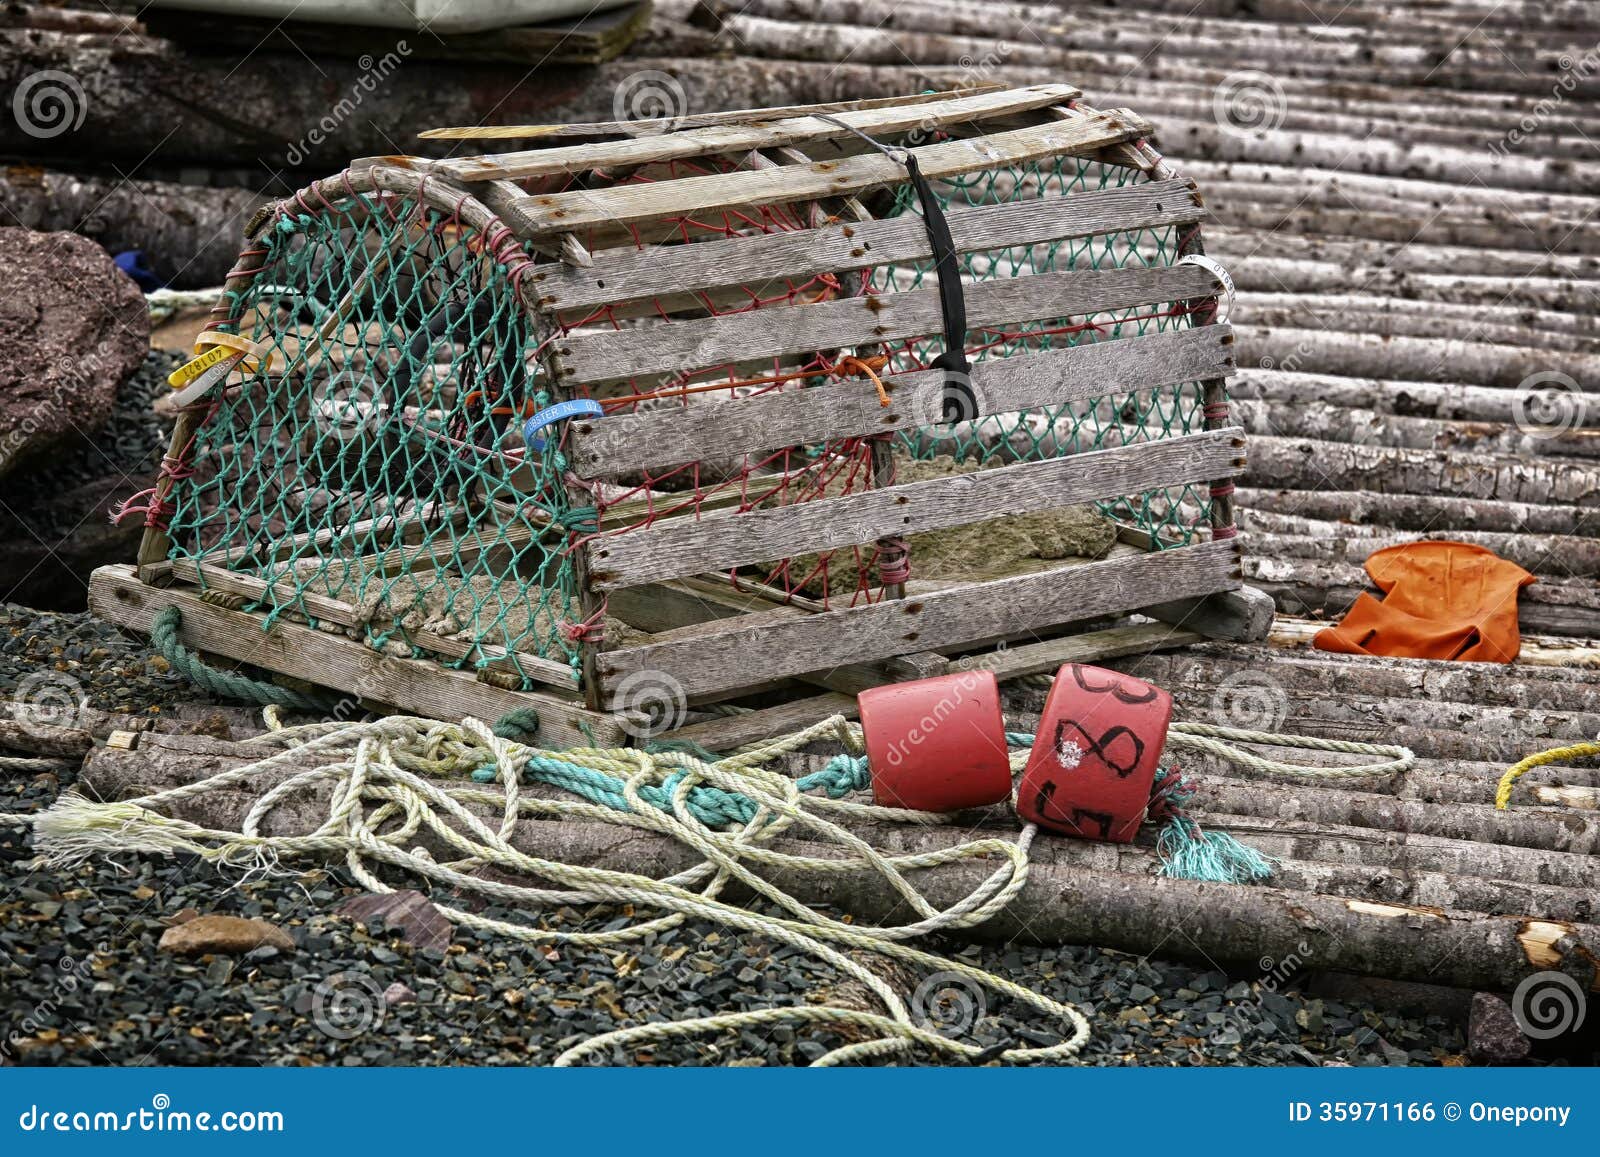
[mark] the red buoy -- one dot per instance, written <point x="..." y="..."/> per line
<point x="1094" y="758"/>
<point x="937" y="745"/>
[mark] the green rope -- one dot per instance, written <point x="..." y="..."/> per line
<point x="227" y="684"/>
<point x="521" y="725"/>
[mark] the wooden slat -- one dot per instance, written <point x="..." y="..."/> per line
<point x="683" y="546"/>
<point x="1088" y="647"/>
<point x="657" y="126"/>
<point x="846" y="408"/>
<point x="738" y="138"/>
<point x="626" y="273"/>
<point x="735" y="731"/>
<point x="116" y="594"/>
<point x="626" y="204"/>
<point x="946" y="618"/>
<point x="892" y="317"/>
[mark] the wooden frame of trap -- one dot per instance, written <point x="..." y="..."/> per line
<point x="725" y="640"/>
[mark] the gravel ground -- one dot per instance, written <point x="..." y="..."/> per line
<point x="84" y="983"/>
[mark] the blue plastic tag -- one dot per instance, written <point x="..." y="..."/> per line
<point x="576" y="408"/>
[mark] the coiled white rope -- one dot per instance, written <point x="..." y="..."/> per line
<point x="391" y="781"/>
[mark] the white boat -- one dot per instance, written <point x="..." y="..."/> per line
<point x="442" y="16"/>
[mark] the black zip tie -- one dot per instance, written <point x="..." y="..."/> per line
<point x="958" y="403"/>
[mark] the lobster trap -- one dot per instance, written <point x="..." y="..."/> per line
<point x="662" y="420"/>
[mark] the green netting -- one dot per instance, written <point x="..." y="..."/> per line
<point x="377" y="464"/>
<point x="1169" y="515"/>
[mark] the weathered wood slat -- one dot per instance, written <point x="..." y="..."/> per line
<point x="656" y="126"/>
<point x="675" y="547"/>
<point x="847" y="408"/>
<point x="707" y="663"/>
<point x="625" y="204"/>
<point x="869" y="320"/>
<point x="624" y="274"/>
<point x="752" y="134"/>
<point x="116" y="594"/>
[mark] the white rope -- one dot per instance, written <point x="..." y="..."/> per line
<point x="391" y="781"/>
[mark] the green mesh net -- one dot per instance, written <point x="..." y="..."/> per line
<point x="377" y="464"/>
<point x="1170" y="516"/>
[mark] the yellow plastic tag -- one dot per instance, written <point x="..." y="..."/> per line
<point x="191" y="370"/>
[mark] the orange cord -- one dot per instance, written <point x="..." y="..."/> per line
<point x="847" y="365"/>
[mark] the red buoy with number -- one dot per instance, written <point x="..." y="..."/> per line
<point x="1094" y="758"/>
<point x="938" y="744"/>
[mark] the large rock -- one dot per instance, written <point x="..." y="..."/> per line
<point x="224" y="936"/>
<point x="55" y="525"/>
<point x="72" y="328"/>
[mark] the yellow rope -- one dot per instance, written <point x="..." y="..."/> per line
<point x="1502" y="795"/>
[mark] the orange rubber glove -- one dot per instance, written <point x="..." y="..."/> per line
<point x="1443" y="600"/>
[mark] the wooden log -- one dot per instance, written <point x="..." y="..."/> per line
<point x="1303" y="464"/>
<point x="1548" y="607"/>
<point x="1332" y="423"/>
<point x="1332" y="542"/>
<point x="1443" y="401"/>
<point x="1418" y="512"/>
<point x="1254" y="273"/>
<point x="1291" y="249"/>
<point x="190" y="234"/>
<point x="1544" y="828"/>
<point x="1543" y="651"/>
<point x="1326" y="148"/>
<point x="1373" y="311"/>
<point x="1337" y="676"/>
<point x="1065" y="902"/>
<point x="1411" y="358"/>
